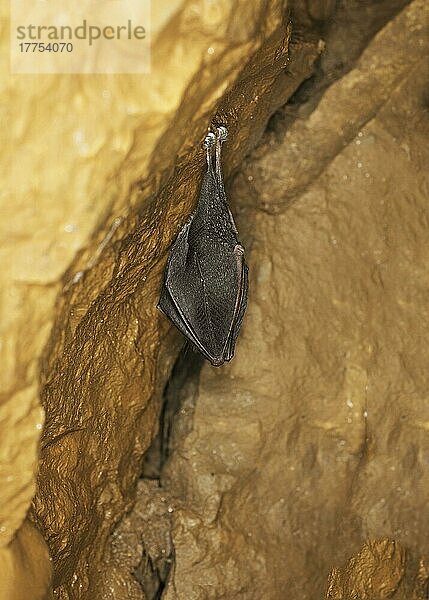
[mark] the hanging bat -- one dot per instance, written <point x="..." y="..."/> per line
<point x="206" y="279"/>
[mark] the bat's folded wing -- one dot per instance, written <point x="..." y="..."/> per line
<point x="179" y="296"/>
<point x="243" y="286"/>
<point x="203" y="296"/>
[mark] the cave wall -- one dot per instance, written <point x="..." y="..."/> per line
<point x="269" y="484"/>
<point x="314" y="438"/>
<point x="86" y="232"/>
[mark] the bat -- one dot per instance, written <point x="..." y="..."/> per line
<point x="206" y="278"/>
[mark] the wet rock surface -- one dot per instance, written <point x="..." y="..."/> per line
<point x="381" y="569"/>
<point x="314" y="438"/>
<point x="271" y="471"/>
<point x="110" y="351"/>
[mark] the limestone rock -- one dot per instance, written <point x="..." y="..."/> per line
<point x="106" y="170"/>
<point x="314" y="438"/>
<point x="381" y="569"/>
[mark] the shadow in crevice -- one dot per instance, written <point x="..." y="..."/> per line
<point x="153" y="575"/>
<point x="182" y="384"/>
<point x="346" y="28"/>
<point x="153" y="572"/>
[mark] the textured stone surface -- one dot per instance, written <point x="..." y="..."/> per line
<point x="315" y="437"/>
<point x="142" y="543"/>
<point x="64" y="141"/>
<point x="82" y="197"/>
<point x="310" y="143"/>
<point x="381" y="569"/>
<point x="25" y="568"/>
<point x="86" y="233"/>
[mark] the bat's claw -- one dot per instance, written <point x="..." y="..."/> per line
<point x="209" y="140"/>
<point x="222" y="133"/>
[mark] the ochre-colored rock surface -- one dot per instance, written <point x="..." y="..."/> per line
<point x="315" y="437"/>
<point x="25" y="567"/>
<point x="381" y="569"/>
<point x="98" y="174"/>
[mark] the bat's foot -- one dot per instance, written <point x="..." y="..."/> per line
<point x="209" y="140"/>
<point x="222" y="133"/>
